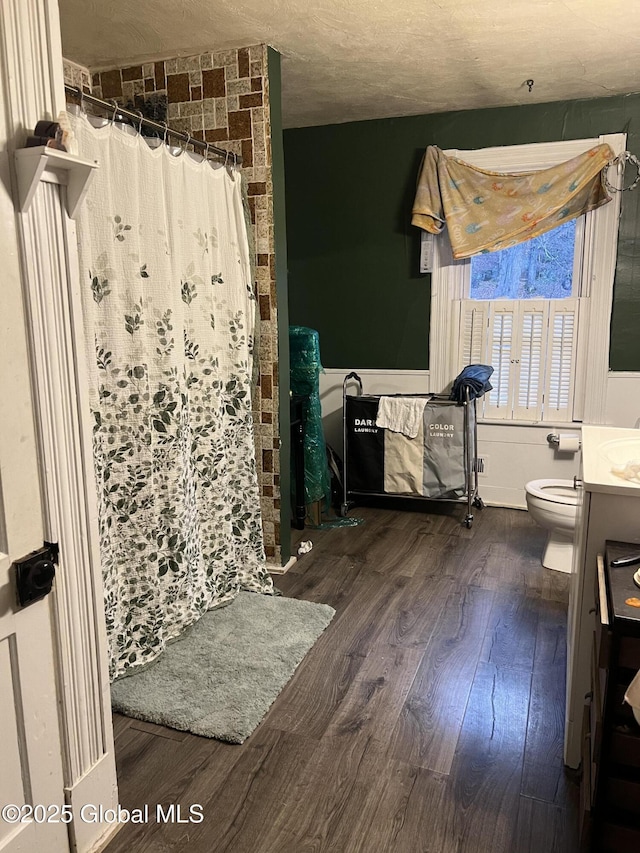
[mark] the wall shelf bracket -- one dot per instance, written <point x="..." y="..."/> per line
<point x="55" y="167"/>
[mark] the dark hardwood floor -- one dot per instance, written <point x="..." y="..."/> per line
<point x="428" y="718"/>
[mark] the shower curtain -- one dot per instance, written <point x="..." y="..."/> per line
<point x="169" y="312"/>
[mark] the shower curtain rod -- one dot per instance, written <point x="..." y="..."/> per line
<point x="138" y="118"/>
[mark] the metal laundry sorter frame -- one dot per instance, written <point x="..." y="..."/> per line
<point x="470" y="452"/>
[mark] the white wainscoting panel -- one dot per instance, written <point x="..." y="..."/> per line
<point x="623" y="400"/>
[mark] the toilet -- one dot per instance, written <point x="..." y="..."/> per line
<point x="553" y="504"/>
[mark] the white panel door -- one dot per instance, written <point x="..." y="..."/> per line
<point x="30" y="755"/>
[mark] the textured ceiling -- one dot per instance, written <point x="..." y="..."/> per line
<point x="346" y="60"/>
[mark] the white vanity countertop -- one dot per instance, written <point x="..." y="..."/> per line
<point x="604" y="448"/>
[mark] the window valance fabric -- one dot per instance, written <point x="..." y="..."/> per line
<point x="486" y="211"/>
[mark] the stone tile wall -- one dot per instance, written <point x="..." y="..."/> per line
<point x="76" y="75"/>
<point x="223" y="98"/>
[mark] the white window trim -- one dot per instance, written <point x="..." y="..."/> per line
<point x="447" y="278"/>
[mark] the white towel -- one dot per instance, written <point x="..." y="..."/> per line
<point x="403" y="462"/>
<point x="401" y="414"/>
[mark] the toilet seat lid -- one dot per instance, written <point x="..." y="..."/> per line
<point x="558" y="491"/>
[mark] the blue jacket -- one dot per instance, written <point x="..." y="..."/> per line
<point x="475" y="379"/>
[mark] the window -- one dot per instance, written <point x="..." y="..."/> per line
<point x="521" y="317"/>
<point x="532" y="345"/>
<point x="540" y="317"/>
<point x="542" y="268"/>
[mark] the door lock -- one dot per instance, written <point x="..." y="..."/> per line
<point x="35" y="574"/>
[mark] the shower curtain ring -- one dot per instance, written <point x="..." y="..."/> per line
<point x="166" y="131"/>
<point x="81" y="94"/>
<point x="186" y="144"/>
<point x="115" y="109"/>
<point x="140" y="122"/>
<point x="226" y="158"/>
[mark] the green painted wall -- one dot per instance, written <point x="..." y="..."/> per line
<point x="280" y="240"/>
<point x="353" y="254"/>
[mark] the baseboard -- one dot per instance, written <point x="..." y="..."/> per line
<point x="106" y="839"/>
<point x="501" y="504"/>
<point x="501" y="495"/>
<point x="96" y="785"/>
<point x="281" y="570"/>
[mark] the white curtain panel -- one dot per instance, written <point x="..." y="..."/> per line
<point x="169" y="315"/>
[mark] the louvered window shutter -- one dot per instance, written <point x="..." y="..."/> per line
<point x="500" y="349"/>
<point x="531" y="345"/>
<point x="529" y="362"/>
<point x="472" y="341"/>
<point x="560" y="360"/>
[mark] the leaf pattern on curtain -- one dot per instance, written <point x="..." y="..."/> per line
<point x="169" y="315"/>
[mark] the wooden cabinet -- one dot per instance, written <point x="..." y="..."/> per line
<point x="610" y="802"/>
